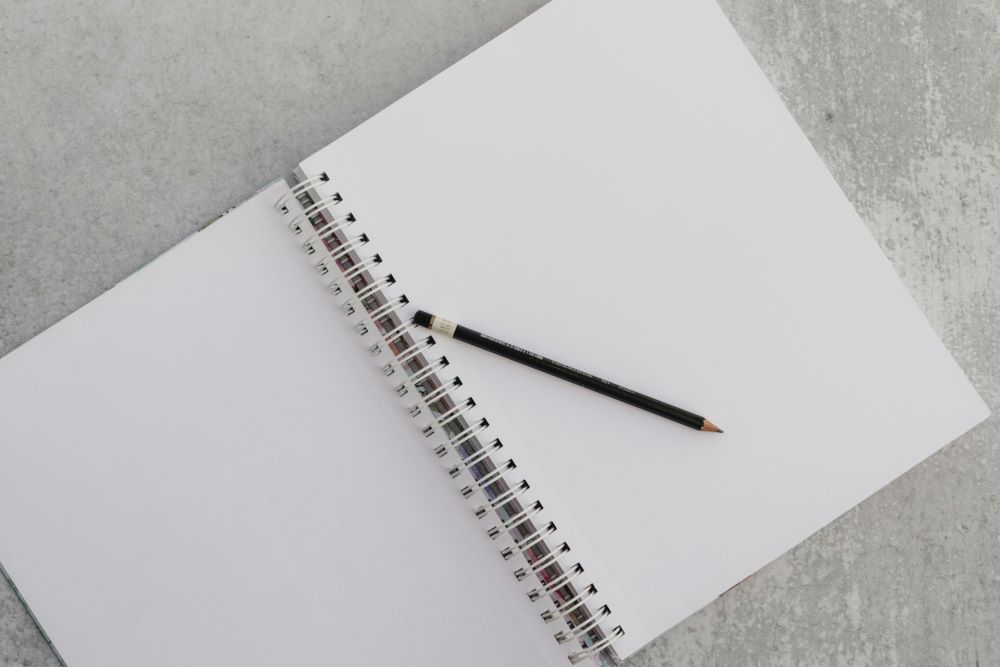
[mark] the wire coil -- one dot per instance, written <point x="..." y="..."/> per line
<point x="377" y="310"/>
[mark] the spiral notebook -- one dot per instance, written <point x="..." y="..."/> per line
<point x="246" y="453"/>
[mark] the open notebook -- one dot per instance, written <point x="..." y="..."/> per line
<point x="206" y="466"/>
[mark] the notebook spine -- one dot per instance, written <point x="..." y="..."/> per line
<point x="450" y="419"/>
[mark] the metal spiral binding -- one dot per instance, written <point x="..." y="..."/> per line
<point x="299" y="189"/>
<point x="450" y="419"/>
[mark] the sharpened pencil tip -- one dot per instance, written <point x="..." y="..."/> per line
<point x="709" y="426"/>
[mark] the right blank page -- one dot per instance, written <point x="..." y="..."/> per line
<point x="617" y="186"/>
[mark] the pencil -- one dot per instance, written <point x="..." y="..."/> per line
<point x="559" y="370"/>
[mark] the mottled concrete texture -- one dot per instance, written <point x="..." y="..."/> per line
<point x="124" y="127"/>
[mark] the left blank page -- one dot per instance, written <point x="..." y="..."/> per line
<point x="202" y="467"/>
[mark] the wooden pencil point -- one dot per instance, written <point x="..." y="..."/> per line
<point x="709" y="426"/>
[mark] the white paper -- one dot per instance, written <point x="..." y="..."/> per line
<point x="617" y="186"/>
<point x="203" y="467"/>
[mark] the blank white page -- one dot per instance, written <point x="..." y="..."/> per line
<point x="204" y="467"/>
<point x="617" y="186"/>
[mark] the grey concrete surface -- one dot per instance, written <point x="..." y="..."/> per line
<point x="126" y="126"/>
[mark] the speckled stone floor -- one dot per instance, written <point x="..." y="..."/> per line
<point x="124" y="127"/>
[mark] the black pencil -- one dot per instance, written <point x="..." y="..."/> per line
<point x="546" y="365"/>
